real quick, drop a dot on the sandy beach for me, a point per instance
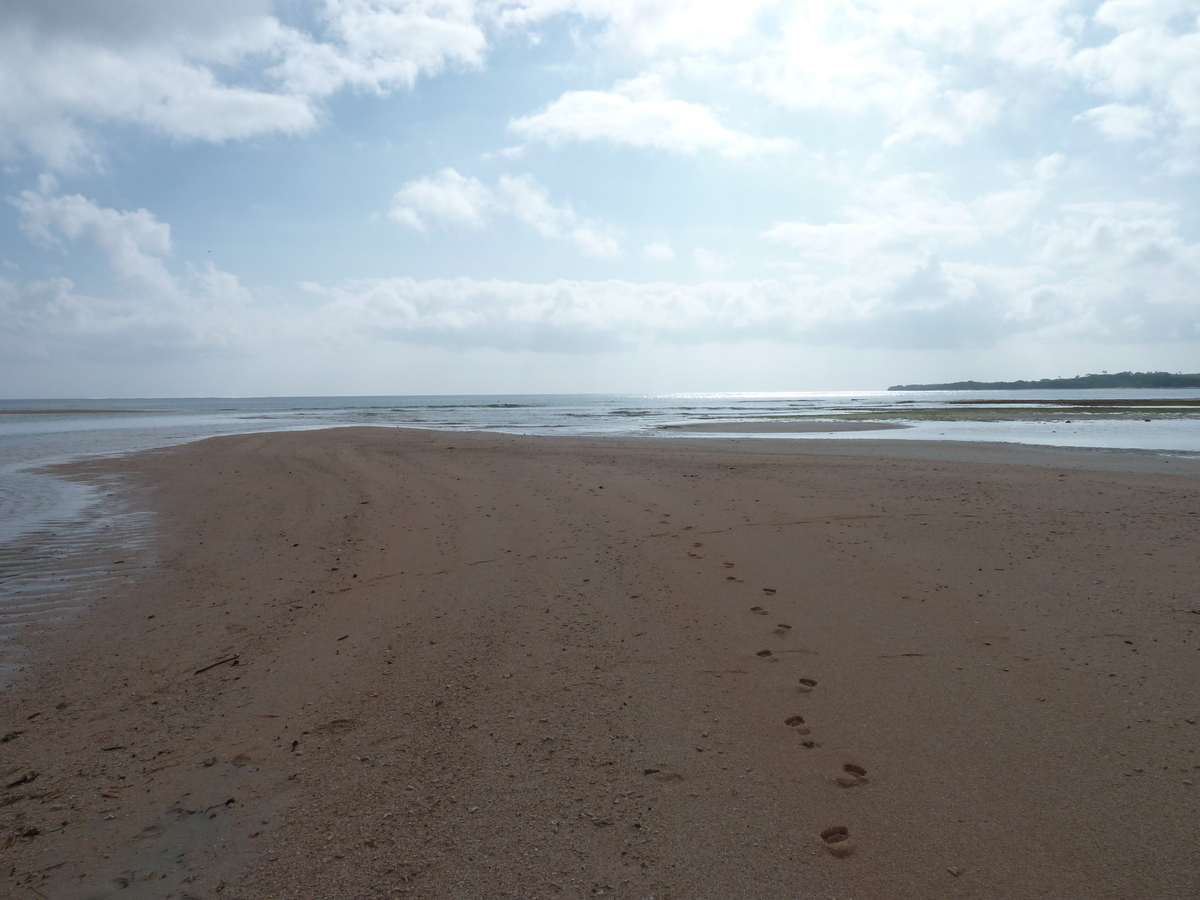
(369, 663)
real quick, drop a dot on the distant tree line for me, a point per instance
(1079, 382)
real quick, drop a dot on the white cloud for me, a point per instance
(447, 199)
(638, 113)
(1150, 70)
(1003, 211)
(381, 45)
(206, 315)
(1116, 237)
(912, 63)
(57, 85)
(233, 69)
(941, 72)
(525, 199)
(711, 263)
(134, 242)
(932, 304)
(892, 88)
(896, 224)
(1147, 58)
(648, 28)
(897, 220)
(217, 71)
(905, 257)
(1120, 122)
(155, 311)
(1102, 271)
(925, 69)
(582, 314)
(450, 199)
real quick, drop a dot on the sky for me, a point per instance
(347, 197)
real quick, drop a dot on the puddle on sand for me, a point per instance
(89, 549)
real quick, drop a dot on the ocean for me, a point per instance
(64, 543)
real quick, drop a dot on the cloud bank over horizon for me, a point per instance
(398, 196)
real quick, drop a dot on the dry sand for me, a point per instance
(478, 666)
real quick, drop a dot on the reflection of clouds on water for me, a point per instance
(1176, 436)
(64, 545)
(28, 499)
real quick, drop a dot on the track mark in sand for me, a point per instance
(663, 772)
(852, 776)
(758, 610)
(837, 841)
(768, 590)
(336, 726)
(727, 565)
(697, 544)
(796, 723)
(782, 629)
(536, 555)
(806, 685)
(764, 653)
(899, 655)
(720, 672)
(382, 577)
(817, 521)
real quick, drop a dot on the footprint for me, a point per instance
(768, 590)
(148, 833)
(759, 610)
(782, 629)
(697, 543)
(852, 776)
(837, 841)
(806, 685)
(763, 653)
(337, 726)
(727, 565)
(663, 772)
(796, 723)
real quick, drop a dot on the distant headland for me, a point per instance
(1079, 382)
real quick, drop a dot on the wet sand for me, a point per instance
(377, 663)
(791, 426)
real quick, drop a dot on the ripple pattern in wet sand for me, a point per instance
(47, 575)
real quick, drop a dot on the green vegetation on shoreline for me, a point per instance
(1079, 382)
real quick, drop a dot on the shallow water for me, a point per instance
(87, 545)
